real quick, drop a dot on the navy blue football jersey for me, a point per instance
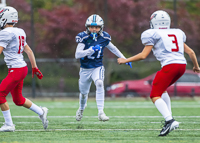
(95, 60)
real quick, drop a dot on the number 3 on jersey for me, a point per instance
(21, 43)
(175, 42)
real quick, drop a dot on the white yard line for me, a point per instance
(110, 123)
(126, 107)
(109, 116)
(102, 130)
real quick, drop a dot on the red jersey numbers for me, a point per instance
(21, 43)
(175, 42)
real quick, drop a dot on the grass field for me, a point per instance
(130, 121)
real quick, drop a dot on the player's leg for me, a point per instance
(84, 88)
(6, 86)
(98, 78)
(164, 79)
(166, 98)
(19, 100)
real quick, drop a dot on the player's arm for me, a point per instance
(116, 51)
(1, 49)
(141, 56)
(31, 57)
(193, 57)
(80, 52)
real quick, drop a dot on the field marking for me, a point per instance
(101, 130)
(126, 107)
(109, 116)
(110, 123)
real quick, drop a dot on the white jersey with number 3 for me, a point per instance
(13, 40)
(168, 45)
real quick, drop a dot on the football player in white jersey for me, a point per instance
(91, 44)
(12, 44)
(168, 46)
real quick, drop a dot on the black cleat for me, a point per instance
(168, 127)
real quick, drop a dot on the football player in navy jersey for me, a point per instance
(91, 44)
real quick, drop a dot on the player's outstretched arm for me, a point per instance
(116, 51)
(193, 57)
(35, 70)
(141, 56)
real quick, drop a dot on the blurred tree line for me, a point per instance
(57, 22)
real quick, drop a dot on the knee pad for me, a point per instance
(99, 84)
(83, 96)
(155, 95)
(2, 99)
(19, 102)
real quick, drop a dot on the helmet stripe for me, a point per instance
(94, 18)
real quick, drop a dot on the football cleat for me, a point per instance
(43, 117)
(79, 115)
(168, 127)
(102, 117)
(7, 128)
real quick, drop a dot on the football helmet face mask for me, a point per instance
(8, 15)
(94, 20)
(160, 20)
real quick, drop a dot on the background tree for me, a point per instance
(58, 22)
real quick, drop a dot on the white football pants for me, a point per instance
(86, 78)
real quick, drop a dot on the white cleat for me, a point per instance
(43, 117)
(7, 128)
(102, 117)
(79, 115)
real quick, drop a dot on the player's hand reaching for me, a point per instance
(129, 64)
(197, 70)
(121, 61)
(37, 72)
(96, 48)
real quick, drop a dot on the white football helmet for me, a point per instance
(94, 20)
(160, 20)
(8, 15)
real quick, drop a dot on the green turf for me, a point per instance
(130, 121)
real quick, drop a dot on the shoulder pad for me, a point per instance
(81, 36)
(106, 35)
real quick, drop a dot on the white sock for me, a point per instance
(7, 117)
(83, 101)
(100, 99)
(163, 109)
(166, 98)
(36, 109)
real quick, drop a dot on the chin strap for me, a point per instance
(94, 35)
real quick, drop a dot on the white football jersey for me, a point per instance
(13, 40)
(168, 45)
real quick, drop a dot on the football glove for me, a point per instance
(37, 72)
(96, 48)
(129, 64)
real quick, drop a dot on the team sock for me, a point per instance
(166, 98)
(36, 109)
(163, 109)
(7, 117)
(83, 101)
(100, 99)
